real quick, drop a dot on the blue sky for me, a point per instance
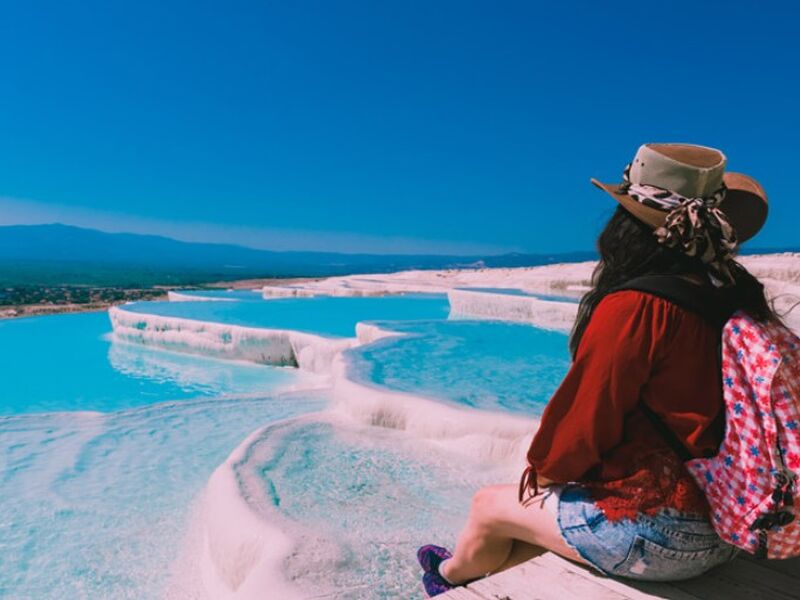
(413, 126)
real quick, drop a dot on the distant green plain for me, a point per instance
(72, 273)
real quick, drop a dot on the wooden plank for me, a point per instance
(634, 590)
(462, 593)
(745, 580)
(551, 577)
(790, 566)
(534, 581)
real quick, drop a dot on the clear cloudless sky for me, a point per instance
(397, 126)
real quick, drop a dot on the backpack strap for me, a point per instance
(666, 433)
(702, 300)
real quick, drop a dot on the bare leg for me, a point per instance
(520, 552)
(496, 520)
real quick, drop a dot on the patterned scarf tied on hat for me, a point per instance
(695, 226)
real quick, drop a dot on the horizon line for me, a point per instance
(476, 255)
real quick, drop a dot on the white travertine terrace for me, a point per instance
(554, 279)
(780, 274)
(244, 539)
(237, 550)
(173, 296)
(277, 347)
(480, 435)
(546, 314)
(241, 547)
(277, 291)
(366, 333)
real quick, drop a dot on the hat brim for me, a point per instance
(745, 205)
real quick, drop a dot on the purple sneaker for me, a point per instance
(434, 584)
(430, 556)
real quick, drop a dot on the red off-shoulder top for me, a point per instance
(637, 348)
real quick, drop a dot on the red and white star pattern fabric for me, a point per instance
(761, 384)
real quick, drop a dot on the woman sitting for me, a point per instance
(604, 487)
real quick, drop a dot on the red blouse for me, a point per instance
(637, 348)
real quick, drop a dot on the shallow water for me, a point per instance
(359, 501)
(94, 493)
(483, 364)
(96, 506)
(324, 315)
(68, 363)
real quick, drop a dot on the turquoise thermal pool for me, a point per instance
(482, 364)
(109, 447)
(97, 505)
(358, 501)
(105, 447)
(68, 363)
(324, 315)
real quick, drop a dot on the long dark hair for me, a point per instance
(628, 249)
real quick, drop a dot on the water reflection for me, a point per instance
(194, 374)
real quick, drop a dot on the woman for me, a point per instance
(604, 486)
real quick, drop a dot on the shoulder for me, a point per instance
(639, 316)
(636, 314)
(625, 328)
(627, 302)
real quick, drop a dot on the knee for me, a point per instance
(484, 502)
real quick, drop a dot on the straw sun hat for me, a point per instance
(662, 177)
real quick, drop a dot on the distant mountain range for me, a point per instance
(62, 254)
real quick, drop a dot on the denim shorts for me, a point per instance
(667, 546)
